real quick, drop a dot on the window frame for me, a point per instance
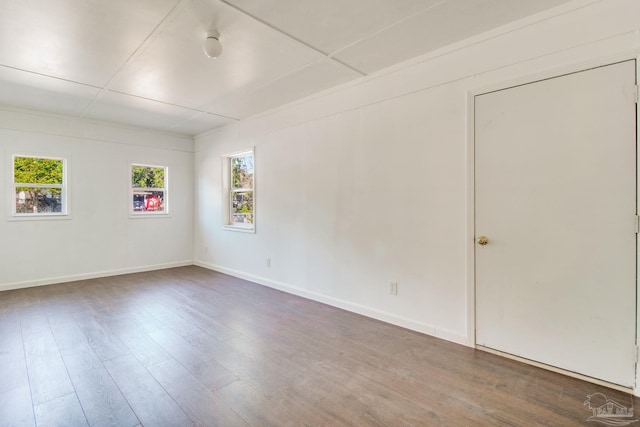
(148, 214)
(64, 190)
(228, 191)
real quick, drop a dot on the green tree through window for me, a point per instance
(148, 189)
(147, 177)
(38, 185)
(242, 194)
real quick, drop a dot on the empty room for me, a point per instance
(319, 213)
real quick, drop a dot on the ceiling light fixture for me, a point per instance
(212, 47)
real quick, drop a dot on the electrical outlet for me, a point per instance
(393, 288)
(206, 250)
(268, 262)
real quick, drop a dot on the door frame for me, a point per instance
(471, 232)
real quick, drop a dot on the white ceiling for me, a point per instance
(141, 62)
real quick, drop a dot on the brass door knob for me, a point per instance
(482, 240)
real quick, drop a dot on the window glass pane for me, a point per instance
(33, 170)
(242, 207)
(147, 177)
(38, 200)
(148, 201)
(242, 172)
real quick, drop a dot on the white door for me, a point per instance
(556, 198)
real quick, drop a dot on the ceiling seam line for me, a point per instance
(272, 81)
(291, 37)
(379, 31)
(133, 55)
(195, 110)
(153, 33)
(35, 73)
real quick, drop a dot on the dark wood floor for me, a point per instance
(188, 346)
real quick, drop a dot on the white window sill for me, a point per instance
(239, 228)
(38, 217)
(148, 215)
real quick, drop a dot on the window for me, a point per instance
(148, 189)
(39, 185)
(240, 191)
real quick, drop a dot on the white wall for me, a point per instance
(99, 238)
(373, 181)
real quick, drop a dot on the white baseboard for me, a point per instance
(345, 305)
(92, 275)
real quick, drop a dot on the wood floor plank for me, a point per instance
(16, 408)
(102, 401)
(200, 404)
(315, 376)
(165, 314)
(255, 407)
(101, 339)
(150, 402)
(13, 367)
(60, 412)
(192, 358)
(255, 368)
(212, 374)
(188, 345)
(48, 376)
(296, 383)
(311, 352)
(143, 347)
(201, 314)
